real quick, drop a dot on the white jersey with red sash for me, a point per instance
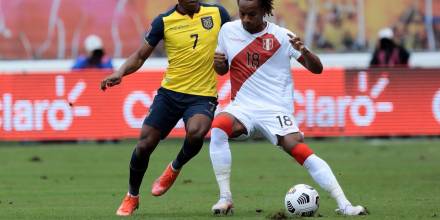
(261, 79)
(260, 68)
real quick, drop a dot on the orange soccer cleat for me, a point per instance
(128, 205)
(164, 182)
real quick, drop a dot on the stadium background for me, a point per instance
(55, 29)
(348, 100)
(43, 104)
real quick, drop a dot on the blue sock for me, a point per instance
(138, 167)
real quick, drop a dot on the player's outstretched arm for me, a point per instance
(221, 65)
(133, 63)
(309, 60)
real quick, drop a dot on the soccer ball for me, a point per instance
(301, 200)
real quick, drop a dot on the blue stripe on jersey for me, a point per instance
(156, 33)
(223, 12)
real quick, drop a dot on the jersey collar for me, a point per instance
(261, 33)
(183, 14)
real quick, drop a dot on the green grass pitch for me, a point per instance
(395, 179)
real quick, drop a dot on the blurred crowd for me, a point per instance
(348, 26)
(46, 30)
(338, 28)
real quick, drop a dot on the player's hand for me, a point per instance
(220, 59)
(109, 81)
(297, 44)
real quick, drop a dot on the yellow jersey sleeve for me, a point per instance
(190, 44)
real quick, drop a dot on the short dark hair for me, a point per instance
(267, 6)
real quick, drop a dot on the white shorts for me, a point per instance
(270, 123)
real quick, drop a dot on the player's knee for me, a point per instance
(301, 137)
(144, 148)
(194, 134)
(301, 152)
(148, 139)
(224, 123)
(147, 143)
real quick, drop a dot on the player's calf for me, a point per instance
(323, 175)
(301, 152)
(224, 123)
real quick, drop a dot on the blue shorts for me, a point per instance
(169, 107)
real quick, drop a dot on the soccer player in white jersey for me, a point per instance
(257, 53)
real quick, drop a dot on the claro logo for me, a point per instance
(31, 115)
(330, 111)
(129, 102)
(139, 97)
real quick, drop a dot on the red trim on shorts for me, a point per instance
(300, 152)
(223, 122)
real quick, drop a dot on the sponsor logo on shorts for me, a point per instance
(212, 107)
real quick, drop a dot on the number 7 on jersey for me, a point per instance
(196, 36)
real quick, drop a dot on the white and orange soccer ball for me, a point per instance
(301, 200)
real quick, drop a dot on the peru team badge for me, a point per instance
(268, 44)
(207, 22)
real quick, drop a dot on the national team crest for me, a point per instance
(268, 43)
(207, 22)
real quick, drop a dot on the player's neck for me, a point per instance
(259, 29)
(188, 12)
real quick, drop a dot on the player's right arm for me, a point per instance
(133, 63)
(137, 59)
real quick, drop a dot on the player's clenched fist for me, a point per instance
(297, 44)
(221, 65)
(220, 59)
(112, 80)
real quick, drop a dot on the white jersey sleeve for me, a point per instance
(221, 42)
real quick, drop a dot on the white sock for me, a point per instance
(221, 161)
(128, 193)
(323, 175)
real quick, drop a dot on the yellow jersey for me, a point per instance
(190, 44)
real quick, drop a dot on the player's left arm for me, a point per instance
(308, 59)
(221, 65)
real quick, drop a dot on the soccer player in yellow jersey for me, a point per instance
(188, 90)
